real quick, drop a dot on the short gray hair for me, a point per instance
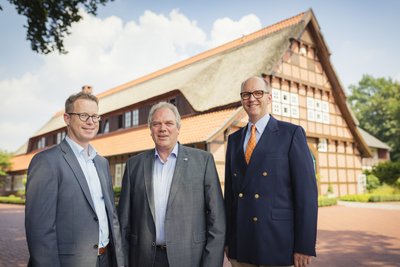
(161, 105)
(266, 83)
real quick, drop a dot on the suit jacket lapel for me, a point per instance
(242, 159)
(179, 172)
(76, 168)
(148, 180)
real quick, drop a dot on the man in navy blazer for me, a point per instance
(271, 200)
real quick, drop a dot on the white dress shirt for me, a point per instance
(85, 158)
(163, 173)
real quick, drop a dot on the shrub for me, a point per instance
(326, 201)
(12, 200)
(388, 171)
(384, 198)
(372, 182)
(356, 198)
(397, 184)
(384, 190)
(371, 198)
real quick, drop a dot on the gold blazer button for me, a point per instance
(255, 219)
(240, 195)
(256, 196)
(265, 173)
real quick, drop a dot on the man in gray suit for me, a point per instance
(70, 217)
(171, 208)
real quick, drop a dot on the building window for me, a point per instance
(119, 168)
(7, 186)
(120, 121)
(285, 103)
(19, 182)
(323, 145)
(128, 119)
(60, 137)
(42, 142)
(317, 110)
(106, 127)
(135, 117)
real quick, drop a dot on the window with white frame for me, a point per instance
(60, 137)
(135, 117)
(323, 145)
(42, 142)
(285, 103)
(119, 168)
(317, 110)
(106, 128)
(128, 119)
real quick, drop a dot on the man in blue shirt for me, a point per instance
(171, 207)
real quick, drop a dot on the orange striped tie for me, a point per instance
(251, 144)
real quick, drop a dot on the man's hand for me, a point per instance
(301, 260)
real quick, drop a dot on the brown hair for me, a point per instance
(69, 103)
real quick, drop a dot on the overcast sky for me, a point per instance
(129, 39)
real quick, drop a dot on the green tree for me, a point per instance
(48, 21)
(387, 172)
(5, 162)
(376, 103)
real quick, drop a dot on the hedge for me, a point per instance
(12, 200)
(371, 198)
(326, 201)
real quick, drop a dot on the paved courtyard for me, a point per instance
(352, 235)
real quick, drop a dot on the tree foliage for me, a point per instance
(48, 21)
(376, 103)
(5, 162)
(388, 172)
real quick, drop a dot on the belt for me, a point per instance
(161, 247)
(103, 250)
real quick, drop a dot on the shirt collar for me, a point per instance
(260, 124)
(174, 152)
(79, 150)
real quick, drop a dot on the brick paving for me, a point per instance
(13, 248)
(357, 235)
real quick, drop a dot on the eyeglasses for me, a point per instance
(257, 94)
(84, 116)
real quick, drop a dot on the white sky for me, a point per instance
(129, 39)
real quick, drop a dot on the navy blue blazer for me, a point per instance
(272, 203)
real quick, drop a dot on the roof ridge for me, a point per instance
(211, 52)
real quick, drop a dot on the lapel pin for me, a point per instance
(185, 159)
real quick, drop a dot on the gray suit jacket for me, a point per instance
(195, 216)
(61, 224)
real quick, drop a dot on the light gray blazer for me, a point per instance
(195, 216)
(61, 224)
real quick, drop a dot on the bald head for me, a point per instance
(264, 84)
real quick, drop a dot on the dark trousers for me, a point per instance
(161, 259)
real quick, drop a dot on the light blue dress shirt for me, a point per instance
(163, 173)
(260, 126)
(85, 159)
